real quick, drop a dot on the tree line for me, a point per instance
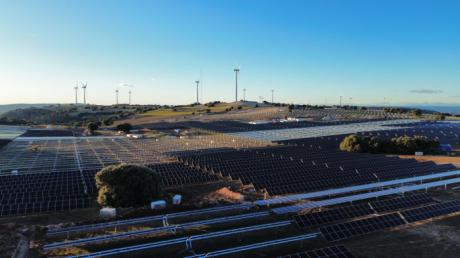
(398, 145)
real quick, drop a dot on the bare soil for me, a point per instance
(436, 159)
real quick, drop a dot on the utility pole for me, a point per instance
(197, 86)
(236, 70)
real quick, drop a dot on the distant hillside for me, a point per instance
(6, 108)
(66, 114)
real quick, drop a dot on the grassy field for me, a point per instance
(189, 110)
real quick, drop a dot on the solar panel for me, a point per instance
(355, 228)
(333, 215)
(431, 211)
(357, 197)
(401, 202)
(337, 251)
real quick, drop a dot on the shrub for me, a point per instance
(351, 143)
(416, 112)
(92, 126)
(108, 121)
(127, 186)
(440, 117)
(125, 127)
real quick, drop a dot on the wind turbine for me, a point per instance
(116, 92)
(272, 94)
(83, 86)
(76, 93)
(197, 85)
(236, 70)
(244, 94)
(129, 97)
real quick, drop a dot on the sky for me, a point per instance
(308, 51)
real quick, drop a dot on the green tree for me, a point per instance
(108, 121)
(127, 186)
(440, 117)
(398, 145)
(125, 127)
(416, 112)
(92, 126)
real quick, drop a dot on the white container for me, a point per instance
(158, 205)
(177, 199)
(419, 153)
(108, 212)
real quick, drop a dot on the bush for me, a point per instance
(127, 186)
(416, 112)
(108, 121)
(92, 126)
(125, 127)
(440, 117)
(399, 145)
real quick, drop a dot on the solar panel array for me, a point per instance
(349, 212)
(431, 211)
(364, 226)
(333, 215)
(320, 131)
(337, 251)
(401, 202)
(48, 175)
(294, 169)
(33, 193)
(355, 228)
(237, 126)
(444, 132)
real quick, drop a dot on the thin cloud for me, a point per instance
(126, 85)
(426, 91)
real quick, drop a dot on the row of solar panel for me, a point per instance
(317, 218)
(338, 251)
(46, 206)
(280, 170)
(355, 228)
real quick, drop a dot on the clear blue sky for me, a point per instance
(308, 51)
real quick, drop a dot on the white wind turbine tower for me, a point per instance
(116, 93)
(244, 94)
(83, 86)
(129, 92)
(236, 70)
(76, 93)
(197, 86)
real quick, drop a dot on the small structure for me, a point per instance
(158, 205)
(177, 199)
(135, 136)
(108, 212)
(419, 153)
